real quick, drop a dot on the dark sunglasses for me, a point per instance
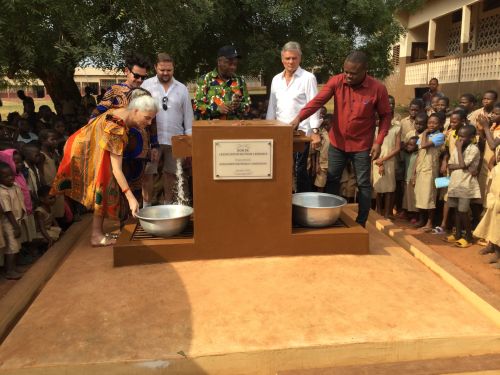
(138, 76)
(164, 102)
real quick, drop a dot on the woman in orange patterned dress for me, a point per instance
(91, 169)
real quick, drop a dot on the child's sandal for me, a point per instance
(450, 239)
(463, 243)
(438, 230)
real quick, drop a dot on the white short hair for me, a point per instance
(142, 100)
(292, 46)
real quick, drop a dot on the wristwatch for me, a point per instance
(315, 130)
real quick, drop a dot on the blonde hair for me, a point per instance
(142, 100)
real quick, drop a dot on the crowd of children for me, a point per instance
(445, 161)
(31, 219)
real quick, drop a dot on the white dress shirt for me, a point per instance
(179, 112)
(286, 101)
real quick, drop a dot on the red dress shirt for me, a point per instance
(353, 121)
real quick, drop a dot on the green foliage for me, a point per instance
(47, 38)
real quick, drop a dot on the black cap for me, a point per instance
(229, 52)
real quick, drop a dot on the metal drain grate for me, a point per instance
(140, 234)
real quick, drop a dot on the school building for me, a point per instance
(456, 41)
(89, 76)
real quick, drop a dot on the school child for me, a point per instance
(48, 141)
(348, 184)
(463, 186)
(384, 168)
(468, 103)
(426, 171)
(321, 154)
(488, 227)
(14, 159)
(409, 156)
(408, 123)
(12, 202)
(434, 104)
(442, 106)
(488, 101)
(32, 157)
(491, 130)
(25, 133)
(458, 119)
(46, 225)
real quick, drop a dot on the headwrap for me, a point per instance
(7, 156)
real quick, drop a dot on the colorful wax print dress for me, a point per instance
(85, 173)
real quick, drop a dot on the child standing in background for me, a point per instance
(48, 140)
(12, 202)
(409, 156)
(426, 171)
(458, 120)
(384, 168)
(463, 186)
(32, 157)
(47, 227)
(408, 123)
(443, 105)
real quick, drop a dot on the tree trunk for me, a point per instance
(63, 91)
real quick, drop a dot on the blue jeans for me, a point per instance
(301, 175)
(361, 161)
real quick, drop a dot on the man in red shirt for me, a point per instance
(358, 99)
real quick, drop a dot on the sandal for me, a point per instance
(105, 241)
(438, 230)
(463, 243)
(482, 242)
(450, 239)
(112, 235)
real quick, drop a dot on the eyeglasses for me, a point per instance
(164, 102)
(138, 76)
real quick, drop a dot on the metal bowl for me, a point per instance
(316, 209)
(165, 220)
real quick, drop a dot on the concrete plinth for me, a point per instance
(243, 316)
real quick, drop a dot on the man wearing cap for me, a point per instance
(221, 94)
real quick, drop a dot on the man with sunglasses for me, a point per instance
(174, 118)
(139, 140)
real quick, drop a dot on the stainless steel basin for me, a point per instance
(316, 209)
(165, 220)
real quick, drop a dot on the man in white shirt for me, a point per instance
(291, 90)
(174, 118)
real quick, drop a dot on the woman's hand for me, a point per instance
(132, 203)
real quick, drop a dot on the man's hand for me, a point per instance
(235, 103)
(375, 151)
(224, 109)
(295, 123)
(315, 140)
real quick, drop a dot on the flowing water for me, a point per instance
(180, 194)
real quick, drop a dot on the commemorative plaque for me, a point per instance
(243, 159)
